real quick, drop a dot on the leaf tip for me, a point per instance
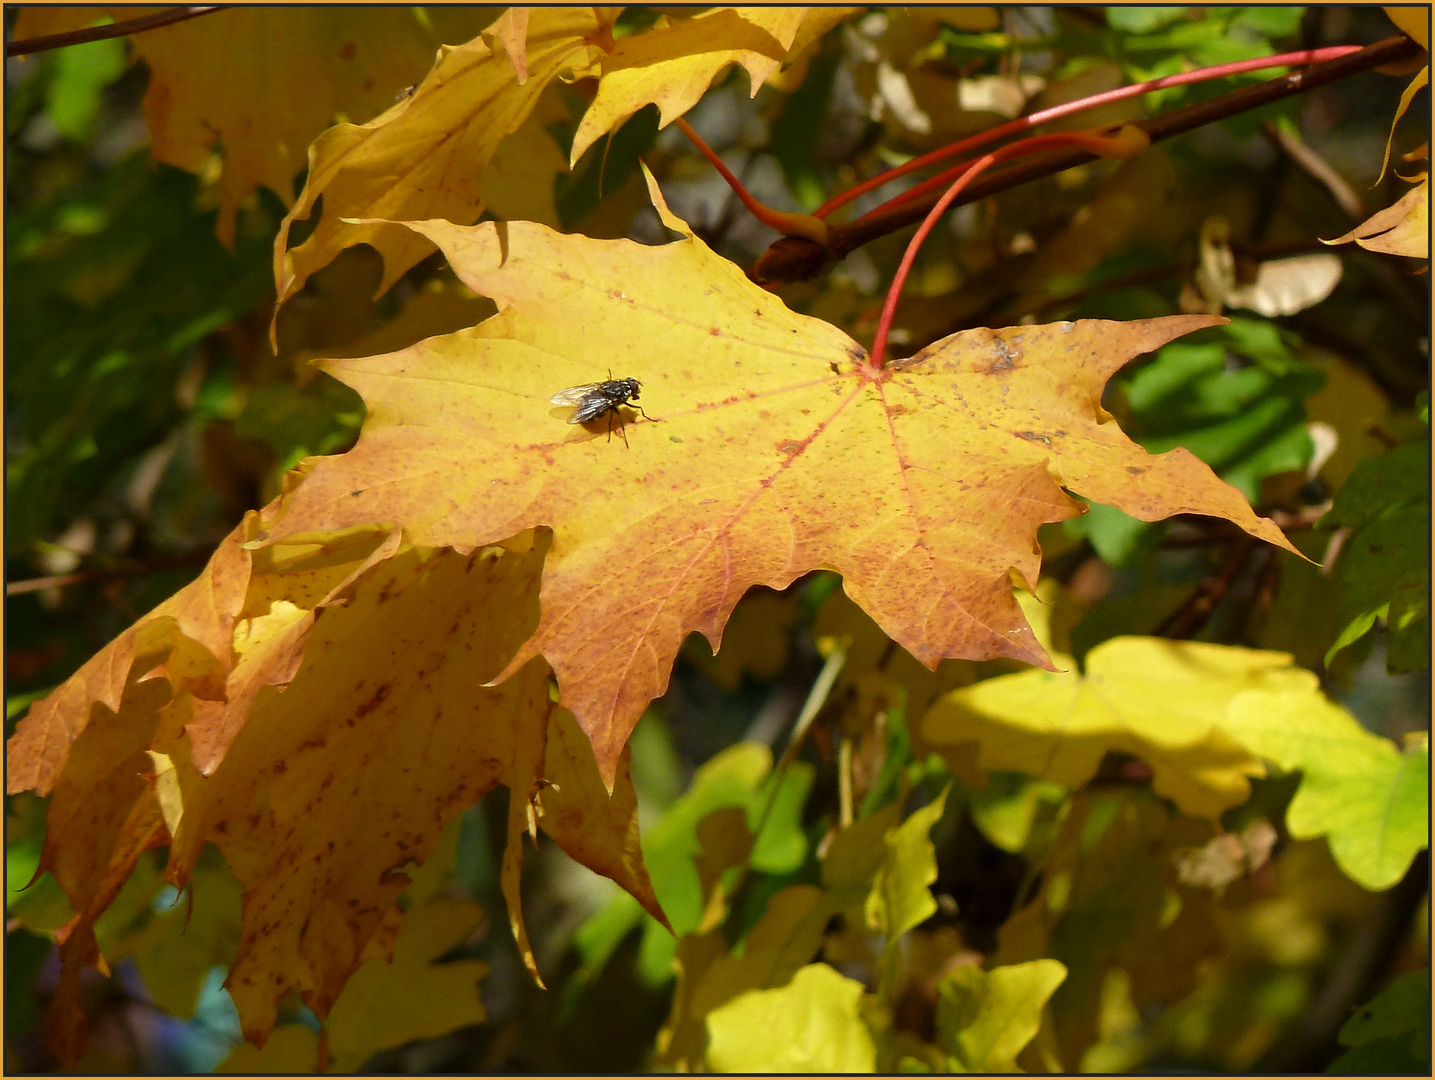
(660, 204)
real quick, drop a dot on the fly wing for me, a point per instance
(591, 408)
(574, 395)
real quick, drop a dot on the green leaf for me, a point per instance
(176, 948)
(109, 283)
(1402, 475)
(388, 1004)
(1006, 809)
(82, 72)
(733, 778)
(813, 1024)
(1116, 536)
(25, 957)
(1142, 20)
(1370, 800)
(856, 855)
(986, 1018)
(1272, 22)
(798, 126)
(1403, 1006)
(1385, 572)
(1384, 568)
(737, 777)
(291, 1048)
(1393, 1054)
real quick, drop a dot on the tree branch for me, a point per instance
(129, 570)
(797, 259)
(114, 30)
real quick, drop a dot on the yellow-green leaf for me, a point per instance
(388, 1004)
(1163, 701)
(986, 1018)
(1371, 801)
(900, 898)
(813, 1024)
(292, 1048)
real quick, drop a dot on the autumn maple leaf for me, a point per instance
(433, 153)
(318, 797)
(776, 448)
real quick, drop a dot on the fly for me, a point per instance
(594, 400)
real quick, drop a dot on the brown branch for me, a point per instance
(797, 259)
(58, 581)
(1193, 614)
(114, 30)
(1318, 169)
(1366, 961)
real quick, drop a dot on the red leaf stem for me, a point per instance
(805, 225)
(884, 324)
(1128, 142)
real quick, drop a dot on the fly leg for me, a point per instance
(612, 413)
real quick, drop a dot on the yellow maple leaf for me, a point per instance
(1414, 22)
(777, 449)
(673, 64)
(256, 84)
(463, 140)
(426, 155)
(388, 1002)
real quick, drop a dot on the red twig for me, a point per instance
(805, 225)
(1033, 145)
(1022, 123)
(1127, 143)
(795, 259)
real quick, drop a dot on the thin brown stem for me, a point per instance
(84, 577)
(1318, 169)
(114, 30)
(1187, 620)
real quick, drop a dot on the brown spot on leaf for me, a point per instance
(374, 702)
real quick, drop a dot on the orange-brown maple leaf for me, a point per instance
(776, 449)
(319, 796)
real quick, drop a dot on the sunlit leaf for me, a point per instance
(986, 1018)
(814, 1024)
